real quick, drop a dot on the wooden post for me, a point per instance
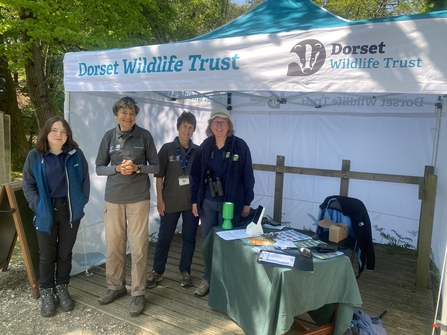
(279, 187)
(428, 197)
(344, 181)
(5, 148)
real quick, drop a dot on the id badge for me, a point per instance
(183, 180)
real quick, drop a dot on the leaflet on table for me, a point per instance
(327, 255)
(258, 240)
(236, 234)
(264, 240)
(276, 258)
(291, 235)
(308, 243)
(260, 248)
(269, 226)
(285, 244)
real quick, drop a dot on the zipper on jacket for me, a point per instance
(68, 191)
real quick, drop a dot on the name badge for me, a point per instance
(183, 180)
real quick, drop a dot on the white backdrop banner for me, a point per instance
(400, 143)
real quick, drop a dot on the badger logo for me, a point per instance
(311, 55)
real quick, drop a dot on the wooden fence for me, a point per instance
(427, 194)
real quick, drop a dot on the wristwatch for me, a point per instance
(138, 169)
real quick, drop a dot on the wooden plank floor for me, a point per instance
(172, 309)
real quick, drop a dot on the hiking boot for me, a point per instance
(66, 303)
(186, 279)
(137, 305)
(154, 278)
(202, 289)
(111, 296)
(48, 307)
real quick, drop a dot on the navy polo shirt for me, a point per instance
(55, 168)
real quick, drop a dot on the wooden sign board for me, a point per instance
(8, 233)
(16, 220)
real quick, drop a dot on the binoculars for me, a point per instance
(215, 187)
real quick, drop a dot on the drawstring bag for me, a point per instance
(364, 324)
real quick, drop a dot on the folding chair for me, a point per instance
(350, 211)
(334, 213)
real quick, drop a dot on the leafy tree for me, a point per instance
(9, 105)
(254, 3)
(432, 5)
(371, 9)
(37, 34)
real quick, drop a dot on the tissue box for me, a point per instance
(337, 231)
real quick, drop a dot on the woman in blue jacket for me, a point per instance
(56, 185)
(222, 172)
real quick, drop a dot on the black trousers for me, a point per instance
(56, 248)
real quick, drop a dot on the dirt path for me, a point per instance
(20, 312)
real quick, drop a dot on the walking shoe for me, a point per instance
(186, 279)
(154, 278)
(48, 307)
(137, 305)
(66, 303)
(111, 296)
(202, 289)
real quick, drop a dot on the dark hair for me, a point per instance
(42, 138)
(187, 117)
(126, 102)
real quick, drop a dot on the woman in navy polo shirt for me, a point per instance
(56, 185)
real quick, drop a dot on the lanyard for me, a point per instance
(184, 165)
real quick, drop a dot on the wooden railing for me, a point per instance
(427, 195)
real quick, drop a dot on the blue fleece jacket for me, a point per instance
(35, 187)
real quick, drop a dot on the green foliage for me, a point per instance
(433, 5)
(51, 28)
(398, 241)
(370, 9)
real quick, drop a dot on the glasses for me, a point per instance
(220, 123)
(131, 114)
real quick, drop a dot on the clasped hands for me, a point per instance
(126, 167)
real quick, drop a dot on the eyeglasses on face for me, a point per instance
(131, 114)
(220, 123)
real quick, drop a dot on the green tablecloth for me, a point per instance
(263, 299)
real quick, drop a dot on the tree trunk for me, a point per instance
(10, 106)
(37, 86)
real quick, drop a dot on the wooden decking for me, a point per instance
(172, 309)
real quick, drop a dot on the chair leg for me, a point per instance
(353, 252)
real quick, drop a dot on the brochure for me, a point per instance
(276, 258)
(307, 243)
(260, 248)
(327, 255)
(258, 240)
(291, 235)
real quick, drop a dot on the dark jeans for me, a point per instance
(168, 223)
(56, 248)
(212, 217)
